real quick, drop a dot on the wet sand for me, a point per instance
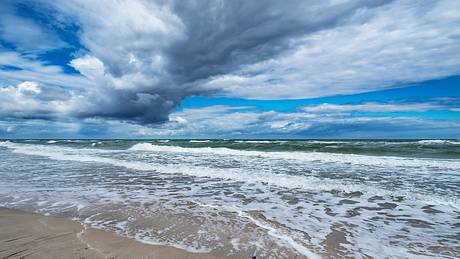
(30, 235)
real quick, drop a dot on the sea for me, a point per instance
(244, 198)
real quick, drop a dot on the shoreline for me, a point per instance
(27, 234)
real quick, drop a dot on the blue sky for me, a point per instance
(229, 69)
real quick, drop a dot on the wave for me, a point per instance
(199, 141)
(259, 141)
(390, 161)
(438, 141)
(236, 174)
(96, 143)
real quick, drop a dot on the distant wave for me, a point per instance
(439, 141)
(391, 161)
(257, 141)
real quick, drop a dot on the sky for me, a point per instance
(230, 69)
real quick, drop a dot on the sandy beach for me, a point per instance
(30, 235)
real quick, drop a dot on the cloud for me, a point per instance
(242, 122)
(245, 122)
(24, 33)
(314, 121)
(37, 128)
(31, 87)
(375, 48)
(145, 57)
(6, 129)
(37, 90)
(378, 107)
(139, 59)
(27, 69)
(27, 101)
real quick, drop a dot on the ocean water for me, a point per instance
(272, 198)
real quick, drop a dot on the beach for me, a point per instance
(30, 235)
(235, 198)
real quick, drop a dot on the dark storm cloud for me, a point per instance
(224, 35)
(152, 55)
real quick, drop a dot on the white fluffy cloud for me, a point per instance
(246, 122)
(27, 100)
(126, 38)
(378, 107)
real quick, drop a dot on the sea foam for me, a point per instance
(310, 156)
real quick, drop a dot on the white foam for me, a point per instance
(328, 142)
(147, 239)
(256, 141)
(438, 141)
(199, 141)
(387, 161)
(235, 242)
(284, 238)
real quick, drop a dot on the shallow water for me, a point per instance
(278, 198)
